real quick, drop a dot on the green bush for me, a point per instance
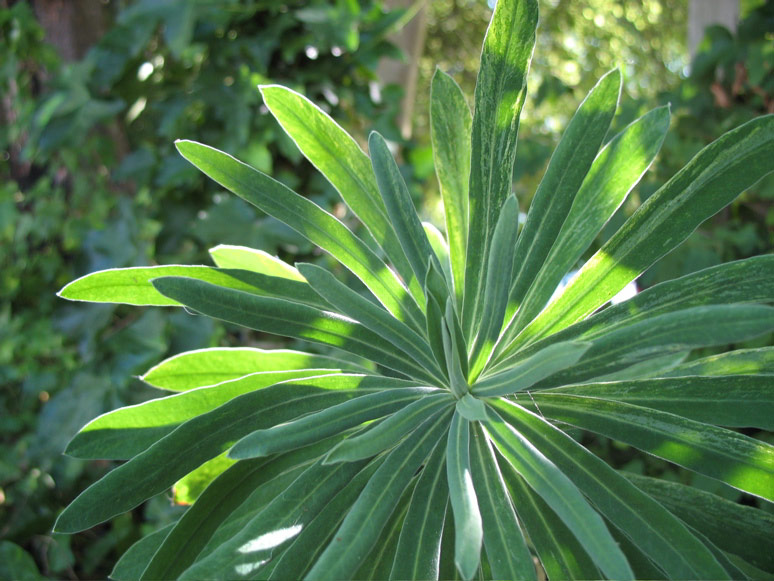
(445, 413)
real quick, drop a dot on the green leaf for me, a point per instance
(500, 91)
(202, 438)
(309, 220)
(742, 281)
(566, 171)
(454, 359)
(132, 286)
(733, 401)
(733, 458)
(419, 546)
(400, 208)
(531, 370)
(339, 158)
(506, 547)
(17, 564)
(281, 317)
(218, 364)
(390, 431)
(653, 529)
(669, 333)
(125, 432)
(562, 496)
(327, 422)
(229, 256)
(471, 408)
(133, 562)
(440, 249)
(615, 171)
(709, 182)
(373, 316)
(560, 553)
(467, 518)
(742, 530)
(498, 280)
(367, 517)
(450, 125)
(740, 362)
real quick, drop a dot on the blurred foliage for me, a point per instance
(90, 179)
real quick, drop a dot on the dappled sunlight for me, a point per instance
(270, 540)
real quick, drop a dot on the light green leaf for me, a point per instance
(500, 91)
(566, 171)
(471, 408)
(553, 485)
(373, 316)
(653, 529)
(733, 401)
(615, 171)
(419, 546)
(740, 362)
(229, 256)
(730, 457)
(389, 432)
(309, 220)
(400, 207)
(742, 530)
(709, 182)
(202, 438)
(281, 317)
(506, 547)
(327, 422)
(498, 281)
(527, 373)
(450, 125)
(467, 518)
(365, 520)
(440, 248)
(669, 333)
(203, 367)
(125, 432)
(655, 367)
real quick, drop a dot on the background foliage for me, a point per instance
(89, 179)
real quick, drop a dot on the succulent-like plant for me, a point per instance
(444, 441)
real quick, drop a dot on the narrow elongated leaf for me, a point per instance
(467, 517)
(365, 520)
(391, 431)
(653, 529)
(440, 248)
(282, 317)
(400, 208)
(132, 286)
(742, 530)
(372, 316)
(730, 457)
(564, 175)
(471, 408)
(615, 171)
(310, 543)
(272, 528)
(454, 360)
(450, 124)
(741, 362)
(241, 257)
(419, 546)
(506, 548)
(218, 364)
(742, 281)
(132, 563)
(200, 439)
(330, 421)
(709, 182)
(498, 281)
(309, 220)
(560, 553)
(734, 401)
(500, 91)
(561, 495)
(527, 373)
(339, 158)
(434, 327)
(125, 432)
(655, 367)
(668, 333)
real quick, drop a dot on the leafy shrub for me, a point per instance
(447, 419)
